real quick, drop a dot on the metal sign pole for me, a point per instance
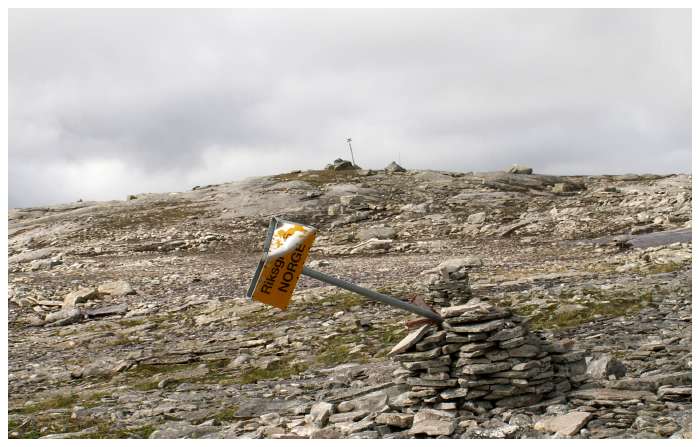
(371, 294)
(349, 140)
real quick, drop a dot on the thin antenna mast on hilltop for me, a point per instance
(349, 140)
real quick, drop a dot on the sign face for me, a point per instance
(285, 251)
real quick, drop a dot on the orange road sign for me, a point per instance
(285, 251)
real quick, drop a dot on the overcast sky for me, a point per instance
(105, 103)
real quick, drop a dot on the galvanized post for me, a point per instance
(349, 140)
(371, 294)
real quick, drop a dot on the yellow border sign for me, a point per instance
(286, 248)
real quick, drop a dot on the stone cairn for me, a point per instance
(480, 358)
(448, 283)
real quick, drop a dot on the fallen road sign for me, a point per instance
(286, 248)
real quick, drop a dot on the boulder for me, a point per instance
(606, 366)
(400, 420)
(433, 423)
(320, 412)
(350, 416)
(32, 255)
(476, 218)
(505, 431)
(352, 200)
(566, 425)
(258, 406)
(63, 317)
(119, 287)
(44, 264)
(372, 245)
(412, 208)
(375, 401)
(79, 296)
(562, 188)
(325, 433)
(376, 233)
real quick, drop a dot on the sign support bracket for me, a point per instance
(371, 294)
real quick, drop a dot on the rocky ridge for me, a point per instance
(127, 318)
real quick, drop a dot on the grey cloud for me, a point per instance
(158, 99)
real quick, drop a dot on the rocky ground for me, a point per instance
(128, 318)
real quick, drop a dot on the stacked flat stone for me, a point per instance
(482, 357)
(448, 283)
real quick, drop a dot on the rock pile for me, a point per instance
(341, 165)
(448, 283)
(480, 358)
(394, 167)
(520, 169)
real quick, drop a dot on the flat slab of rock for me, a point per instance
(611, 394)
(350, 416)
(116, 309)
(432, 423)
(374, 401)
(488, 326)
(419, 356)
(348, 428)
(566, 424)
(355, 392)
(410, 340)
(523, 400)
(258, 407)
(63, 317)
(652, 383)
(466, 310)
(486, 368)
(671, 393)
(400, 420)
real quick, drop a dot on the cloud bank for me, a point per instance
(105, 103)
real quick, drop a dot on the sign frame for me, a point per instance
(275, 223)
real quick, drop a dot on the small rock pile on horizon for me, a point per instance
(448, 283)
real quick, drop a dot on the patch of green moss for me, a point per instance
(50, 403)
(94, 399)
(146, 371)
(131, 322)
(147, 377)
(217, 364)
(343, 300)
(663, 268)
(148, 385)
(319, 177)
(226, 415)
(334, 354)
(323, 307)
(106, 430)
(598, 307)
(281, 371)
(119, 340)
(43, 424)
